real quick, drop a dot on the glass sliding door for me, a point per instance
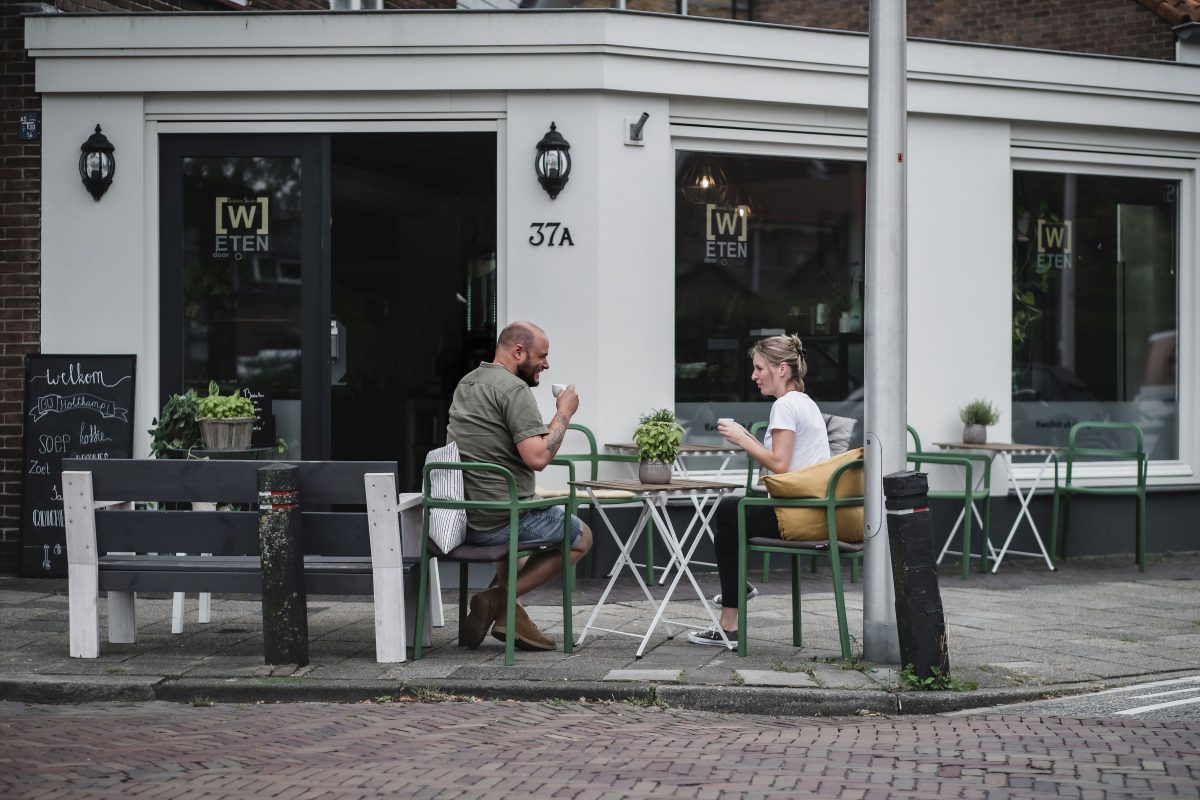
(243, 266)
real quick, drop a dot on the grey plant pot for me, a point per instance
(658, 472)
(975, 434)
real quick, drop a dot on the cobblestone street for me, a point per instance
(571, 750)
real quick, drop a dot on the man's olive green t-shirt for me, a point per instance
(492, 410)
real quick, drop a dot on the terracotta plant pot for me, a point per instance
(232, 433)
(975, 434)
(657, 472)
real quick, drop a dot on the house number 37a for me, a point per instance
(551, 234)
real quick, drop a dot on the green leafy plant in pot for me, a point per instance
(976, 416)
(658, 438)
(175, 427)
(226, 420)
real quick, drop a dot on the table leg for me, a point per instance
(1025, 499)
(703, 528)
(659, 510)
(623, 559)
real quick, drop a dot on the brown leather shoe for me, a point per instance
(528, 636)
(485, 606)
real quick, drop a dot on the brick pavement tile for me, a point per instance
(432, 750)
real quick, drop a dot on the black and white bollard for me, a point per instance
(284, 602)
(919, 619)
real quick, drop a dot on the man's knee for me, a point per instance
(584, 543)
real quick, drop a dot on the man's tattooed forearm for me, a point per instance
(558, 429)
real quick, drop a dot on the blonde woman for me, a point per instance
(795, 438)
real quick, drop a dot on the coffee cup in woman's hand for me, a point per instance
(728, 427)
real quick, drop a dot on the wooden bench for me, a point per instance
(116, 548)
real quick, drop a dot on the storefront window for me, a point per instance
(241, 280)
(1095, 292)
(764, 246)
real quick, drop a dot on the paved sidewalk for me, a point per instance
(1021, 634)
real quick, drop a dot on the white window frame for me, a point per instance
(1183, 168)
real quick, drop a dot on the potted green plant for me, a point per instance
(976, 416)
(175, 427)
(658, 438)
(226, 420)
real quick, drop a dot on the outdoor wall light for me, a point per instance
(97, 164)
(553, 162)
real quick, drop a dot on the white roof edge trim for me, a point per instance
(610, 33)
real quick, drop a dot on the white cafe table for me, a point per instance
(687, 451)
(653, 498)
(1006, 451)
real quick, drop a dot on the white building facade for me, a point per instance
(1052, 215)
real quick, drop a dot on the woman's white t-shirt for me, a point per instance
(797, 412)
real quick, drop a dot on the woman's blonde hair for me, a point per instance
(776, 350)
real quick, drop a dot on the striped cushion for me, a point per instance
(447, 526)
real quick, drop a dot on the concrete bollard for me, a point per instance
(919, 619)
(284, 602)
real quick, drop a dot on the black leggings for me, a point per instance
(760, 521)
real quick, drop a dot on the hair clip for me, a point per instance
(800, 351)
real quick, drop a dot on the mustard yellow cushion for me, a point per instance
(809, 524)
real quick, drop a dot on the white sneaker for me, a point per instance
(751, 592)
(712, 636)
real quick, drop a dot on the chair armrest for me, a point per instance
(513, 500)
(965, 460)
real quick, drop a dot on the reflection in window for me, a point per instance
(763, 246)
(1094, 306)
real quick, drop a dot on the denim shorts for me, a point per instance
(539, 525)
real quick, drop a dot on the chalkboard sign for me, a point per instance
(264, 420)
(75, 407)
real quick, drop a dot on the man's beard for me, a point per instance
(527, 371)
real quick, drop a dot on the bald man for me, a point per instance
(495, 419)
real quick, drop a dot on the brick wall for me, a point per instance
(20, 245)
(1107, 27)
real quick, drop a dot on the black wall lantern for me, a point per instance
(97, 164)
(553, 162)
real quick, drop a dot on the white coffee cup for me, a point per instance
(730, 420)
(557, 388)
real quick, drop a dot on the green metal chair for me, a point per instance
(467, 554)
(833, 549)
(968, 496)
(1067, 487)
(586, 465)
(754, 488)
